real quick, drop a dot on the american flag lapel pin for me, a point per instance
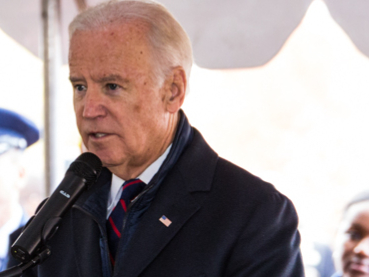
(165, 220)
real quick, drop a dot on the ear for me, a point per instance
(176, 89)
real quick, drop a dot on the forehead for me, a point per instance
(114, 45)
(358, 214)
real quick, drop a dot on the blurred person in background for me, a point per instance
(352, 243)
(32, 193)
(16, 134)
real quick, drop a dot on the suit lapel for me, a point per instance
(193, 172)
(151, 235)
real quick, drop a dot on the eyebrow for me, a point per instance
(104, 79)
(356, 226)
(111, 78)
(76, 79)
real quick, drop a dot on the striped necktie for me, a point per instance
(114, 224)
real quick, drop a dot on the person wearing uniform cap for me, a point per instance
(16, 134)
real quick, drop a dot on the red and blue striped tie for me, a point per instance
(114, 224)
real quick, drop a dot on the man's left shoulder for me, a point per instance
(239, 178)
(244, 185)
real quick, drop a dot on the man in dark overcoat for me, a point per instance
(195, 213)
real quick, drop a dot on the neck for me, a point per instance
(132, 169)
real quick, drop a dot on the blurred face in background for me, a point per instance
(11, 181)
(352, 245)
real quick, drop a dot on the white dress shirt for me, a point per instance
(146, 176)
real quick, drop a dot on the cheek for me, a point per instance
(77, 106)
(138, 107)
(8, 181)
(347, 249)
(78, 113)
(78, 123)
(341, 252)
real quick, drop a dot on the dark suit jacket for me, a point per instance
(225, 222)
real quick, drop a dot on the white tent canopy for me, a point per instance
(225, 34)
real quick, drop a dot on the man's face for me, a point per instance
(120, 110)
(353, 241)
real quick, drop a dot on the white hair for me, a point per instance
(171, 47)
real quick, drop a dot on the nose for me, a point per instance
(362, 247)
(93, 105)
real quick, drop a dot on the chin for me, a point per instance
(103, 156)
(108, 159)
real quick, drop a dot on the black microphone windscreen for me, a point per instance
(87, 166)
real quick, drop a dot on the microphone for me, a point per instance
(81, 174)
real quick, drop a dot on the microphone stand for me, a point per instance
(17, 270)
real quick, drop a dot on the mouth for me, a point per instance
(98, 135)
(359, 266)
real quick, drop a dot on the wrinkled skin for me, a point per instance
(123, 114)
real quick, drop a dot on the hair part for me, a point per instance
(171, 46)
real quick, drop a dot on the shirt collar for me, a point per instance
(146, 176)
(149, 172)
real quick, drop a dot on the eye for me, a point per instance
(79, 88)
(354, 235)
(112, 86)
